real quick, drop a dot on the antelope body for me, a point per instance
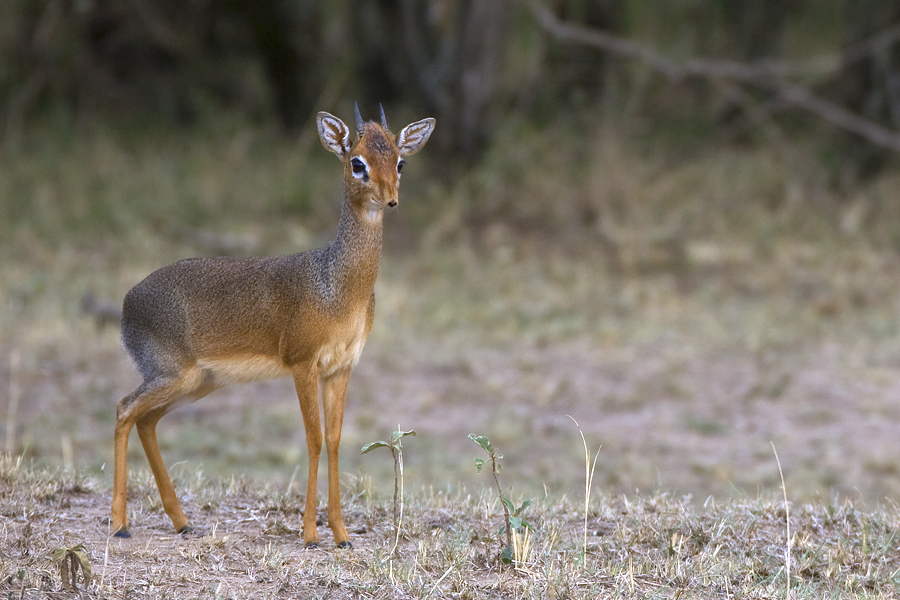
(200, 324)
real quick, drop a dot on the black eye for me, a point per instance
(400, 165)
(357, 166)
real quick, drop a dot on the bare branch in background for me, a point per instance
(764, 74)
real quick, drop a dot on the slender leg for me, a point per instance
(146, 427)
(120, 477)
(144, 407)
(333, 394)
(306, 381)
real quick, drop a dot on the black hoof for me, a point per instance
(122, 533)
(312, 545)
(191, 531)
(346, 545)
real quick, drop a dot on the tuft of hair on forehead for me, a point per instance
(377, 139)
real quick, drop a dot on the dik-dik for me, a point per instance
(200, 324)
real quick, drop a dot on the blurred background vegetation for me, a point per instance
(493, 72)
(688, 205)
(473, 64)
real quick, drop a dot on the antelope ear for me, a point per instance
(411, 139)
(333, 134)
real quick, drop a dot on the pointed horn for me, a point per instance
(383, 118)
(359, 120)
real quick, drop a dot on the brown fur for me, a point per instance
(200, 324)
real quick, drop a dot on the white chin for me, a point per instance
(374, 211)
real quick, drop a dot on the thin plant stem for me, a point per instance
(787, 527)
(588, 480)
(509, 541)
(12, 408)
(398, 481)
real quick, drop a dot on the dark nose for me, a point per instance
(392, 203)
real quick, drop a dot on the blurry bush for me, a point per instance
(467, 62)
(166, 58)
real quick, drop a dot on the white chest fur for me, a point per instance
(342, 351)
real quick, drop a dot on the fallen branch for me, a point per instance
(765, 74)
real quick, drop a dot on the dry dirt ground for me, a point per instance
(685, 380)
(651, 546)
(685, 385)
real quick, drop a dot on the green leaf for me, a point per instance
(515, 523)
(525, 505)
(400, 434)
(58, 554)
(81, 555)
(369, 447)
(479, 464)
(482, 441)
(508, 504)
(506, 555)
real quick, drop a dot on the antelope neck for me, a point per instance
(355, 253)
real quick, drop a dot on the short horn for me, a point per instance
(359, 121)
(383, 118)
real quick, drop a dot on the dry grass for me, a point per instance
(686, 315)
(651, 546)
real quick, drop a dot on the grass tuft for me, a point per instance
(655, 545)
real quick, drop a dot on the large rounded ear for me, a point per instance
(333, 134)
(414, 136)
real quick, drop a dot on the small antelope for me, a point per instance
(200, 324)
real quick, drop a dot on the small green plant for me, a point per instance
(70, 561)
(513, 519)
(395, 445)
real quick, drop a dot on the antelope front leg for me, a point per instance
(333, 394)
(306, 381)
